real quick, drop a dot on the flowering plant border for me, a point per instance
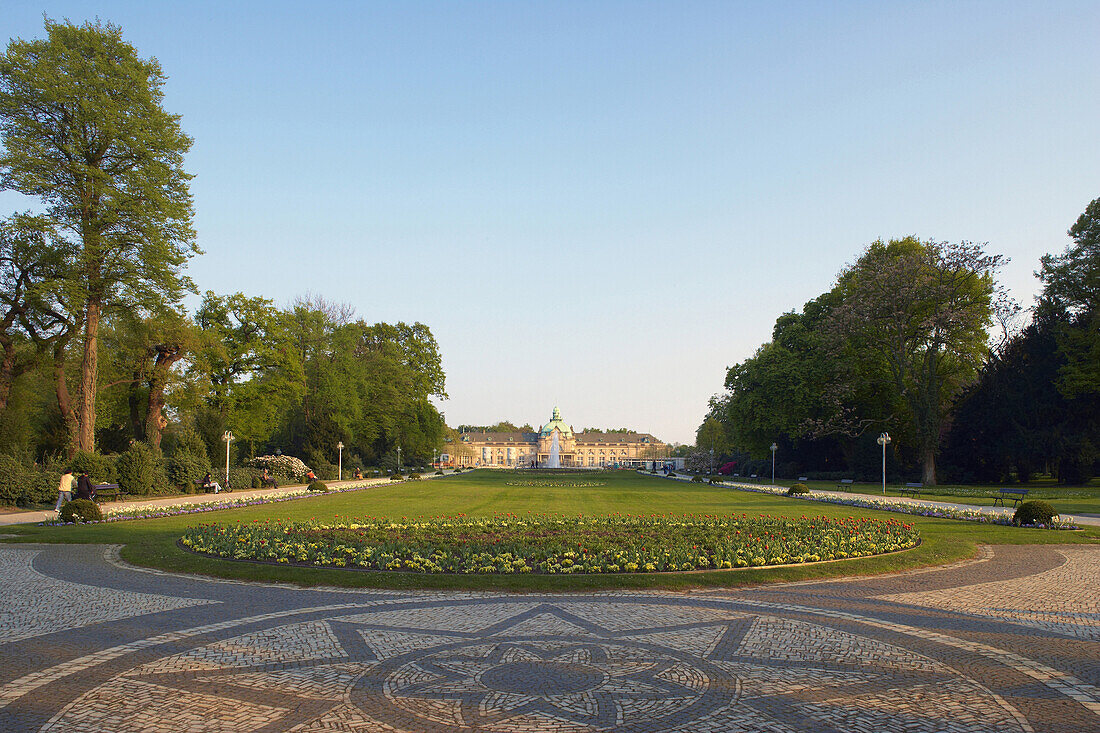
(122, 514)
(552, 544)
(898, 506)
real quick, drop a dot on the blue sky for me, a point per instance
(603, 205)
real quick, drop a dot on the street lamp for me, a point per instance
(399, 459)
(884, 440)
(340, 470)
(774, 449)
(228, 438)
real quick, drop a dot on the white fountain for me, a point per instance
(553, 461)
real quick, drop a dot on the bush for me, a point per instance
(317, 485)
(696, 479)
(80, 510)
(257, 482)
(281, 467)
(397, 477)
(439, 472)
(137, 470)
(22, 485)
(414, 476)
(1034, 512)
(243, 478)
(100, 468)
(184, 469)
(797, 489)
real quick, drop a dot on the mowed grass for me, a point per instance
(1069, 500)
(153, 542)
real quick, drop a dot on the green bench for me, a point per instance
(911, 489)
(104, 492)
(1017, 495)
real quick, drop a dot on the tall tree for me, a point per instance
(84, 131)
(1071, 293)
(922, 310)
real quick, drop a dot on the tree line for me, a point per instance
(97, 351)
(917, 339)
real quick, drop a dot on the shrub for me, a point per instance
(1034, 512)
(439, 472)
(284, 467)
(189, 441)
(696, 479)
(317, 485)
(137, 470)
(797, 489)
(672, 474)
(100, 468)
(396, 477)
(184, 469)
(22, 485)
(414, 476)
(80, 510)
(243, 478)
(257, 482)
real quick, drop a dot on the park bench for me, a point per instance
(210, 487)
(105, 491)
(845, 483)
(1017, 495)
(911, 489)
(803, 479)
(754, 478)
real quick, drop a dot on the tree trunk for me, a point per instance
(7, 372)
(89, 380)
(64, 401)
(137, 424)
(928, 466)
(154, 417)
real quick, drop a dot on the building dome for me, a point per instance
(556, 422)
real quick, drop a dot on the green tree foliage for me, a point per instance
(1036, 405)
(922, 310)
(248, 362)
(84, 131)
(890, 346)
(1071, 293)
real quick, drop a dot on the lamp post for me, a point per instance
(340, 469)
(884, 440)
(228, 438)
(774, 449)
(399, 459)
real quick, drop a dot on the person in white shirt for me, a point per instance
(64, 490)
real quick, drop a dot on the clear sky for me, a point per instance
(602, 205)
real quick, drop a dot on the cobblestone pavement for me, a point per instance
(1006, 642)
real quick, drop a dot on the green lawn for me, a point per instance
(153, 542)
(1065, 499)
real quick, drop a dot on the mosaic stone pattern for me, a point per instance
(882, 654)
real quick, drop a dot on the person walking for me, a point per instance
(84, 487)
(65, 489)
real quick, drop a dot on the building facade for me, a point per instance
(575, 450)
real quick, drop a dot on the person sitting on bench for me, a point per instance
(267, 478)
(209, 483)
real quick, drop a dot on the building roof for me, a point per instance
(510, 437)
(556, 422)
(600, 437)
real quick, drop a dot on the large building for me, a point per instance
(589, 449)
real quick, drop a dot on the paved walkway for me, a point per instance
(1009, 641)
(205, 498)
(1080, 519)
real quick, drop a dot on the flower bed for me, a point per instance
(550, 544)
(122, 513)
(557, 484)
